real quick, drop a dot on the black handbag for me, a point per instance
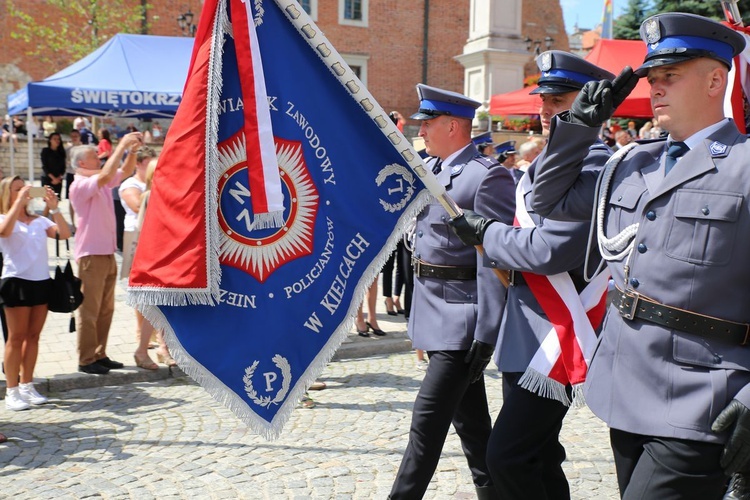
(65, 295)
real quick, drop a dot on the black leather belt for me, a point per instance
(516, 278)
(424, 270)
(633, 305)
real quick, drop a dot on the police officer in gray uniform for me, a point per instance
(457, 302)
(671, 374)
(506, 156)
(524, 453)
(483, 142)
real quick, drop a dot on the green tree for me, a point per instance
(701, 7)
(67, 30)
(627, 25)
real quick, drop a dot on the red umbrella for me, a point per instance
(612, 55)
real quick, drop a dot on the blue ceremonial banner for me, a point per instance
(254, 308)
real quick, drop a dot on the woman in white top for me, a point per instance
(131, 191)
(25, 284)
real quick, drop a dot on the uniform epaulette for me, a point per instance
(487, 161)
(599, 146)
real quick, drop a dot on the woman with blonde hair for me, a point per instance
(134, 198)
(25, 283)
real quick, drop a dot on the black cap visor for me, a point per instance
(557, 87)
(675, 56)
(428, 114)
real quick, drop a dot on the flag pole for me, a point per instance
(336, 64)
(732, 12)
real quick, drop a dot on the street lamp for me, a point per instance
(185, 21)
(538, 43)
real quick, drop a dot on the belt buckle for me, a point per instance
(629, 312)
(417, 267)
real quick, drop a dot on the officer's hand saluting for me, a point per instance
(597, 101)
(736, 456)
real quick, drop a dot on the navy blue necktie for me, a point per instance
(437, 167)
(674, 151)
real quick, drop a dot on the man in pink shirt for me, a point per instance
(96, 242)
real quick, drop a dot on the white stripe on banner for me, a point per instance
(274, 196)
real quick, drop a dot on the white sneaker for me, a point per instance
(14, 401)
(30, 394)
(422, 365)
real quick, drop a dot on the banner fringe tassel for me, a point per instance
(544, 386)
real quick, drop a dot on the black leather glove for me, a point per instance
(470, 227)
(478, 358)
(736, 456)
(597, 100)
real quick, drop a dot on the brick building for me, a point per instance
(394, 44)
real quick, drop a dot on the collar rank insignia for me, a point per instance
(718, 149)
(546, 62)
(653, 32)
(455, 170)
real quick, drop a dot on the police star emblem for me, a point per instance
(546, 62)
(718, 149)
(653, 32)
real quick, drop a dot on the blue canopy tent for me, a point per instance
(130, 75)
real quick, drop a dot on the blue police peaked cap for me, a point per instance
(563, 72)
(481, 140)
(436, 102)
(507, 147)
(676, 37)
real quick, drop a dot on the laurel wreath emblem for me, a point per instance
(286, 376)
(395, 168)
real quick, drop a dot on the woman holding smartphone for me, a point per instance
(25, 283)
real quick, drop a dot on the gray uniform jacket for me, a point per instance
(446, 315)
(690, 252)
(551, 247)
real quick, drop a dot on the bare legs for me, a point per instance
(22, 349)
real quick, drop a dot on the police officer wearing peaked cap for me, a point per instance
(524, 453)
(563, 72)
(506, 156)
(457, 301)
(671, 373)
(483, 142)
(506, 148)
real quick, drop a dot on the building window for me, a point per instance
(353, 12)
(311, 7)
(358, 64)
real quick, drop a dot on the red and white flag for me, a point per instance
(565, 353)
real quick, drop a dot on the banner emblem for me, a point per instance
(260, 252)
(269, 378)
(403, 183)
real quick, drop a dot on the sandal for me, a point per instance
(376, 331)
(389, 309)
(166, 359)
(145, 363)
(363, 333)
(306, 402)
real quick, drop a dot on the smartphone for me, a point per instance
(37, 192)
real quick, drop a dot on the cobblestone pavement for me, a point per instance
(169, 439)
